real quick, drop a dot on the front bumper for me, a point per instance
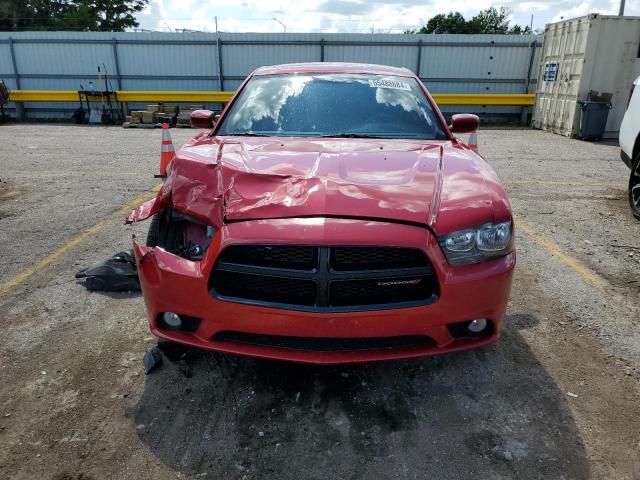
(174, 284)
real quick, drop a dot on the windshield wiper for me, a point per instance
(247, 134)
(349, 135)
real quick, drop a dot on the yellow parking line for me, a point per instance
(586, 274)
(25, 274)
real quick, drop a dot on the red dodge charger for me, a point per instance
(329, 215)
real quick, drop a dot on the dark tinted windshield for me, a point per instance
(347, 105)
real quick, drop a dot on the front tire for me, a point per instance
(634, 187)
(165, 232)
(153, 235)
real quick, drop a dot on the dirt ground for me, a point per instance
(558, 397)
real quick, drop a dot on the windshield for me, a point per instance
(332, 105)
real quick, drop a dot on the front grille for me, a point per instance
(340, 278)
(380, 290)
(266, 288)
(375, 258)
(315, 344)
(276, 256)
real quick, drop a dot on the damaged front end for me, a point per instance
(179, 234)
(276, 200)
(186, 212)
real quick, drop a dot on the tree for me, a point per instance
(453, 22)
(518, 30)
(84, 19)
(25, 14)
(490, 20)
(85, 15)
(116, 15)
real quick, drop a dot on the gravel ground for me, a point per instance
(558, 397)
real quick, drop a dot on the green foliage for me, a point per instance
(453, 22)
(83, 15)
(490, 20)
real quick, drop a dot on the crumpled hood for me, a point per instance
(331, 178)
(257, 178)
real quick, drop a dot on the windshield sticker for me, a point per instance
(389, 84)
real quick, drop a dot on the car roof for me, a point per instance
(333, 67)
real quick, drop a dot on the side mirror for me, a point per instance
(464, 123)
(202, 118)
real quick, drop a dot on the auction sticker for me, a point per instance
(389, 84)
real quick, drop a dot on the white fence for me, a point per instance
(209, 61)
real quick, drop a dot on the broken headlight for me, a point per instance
(477, 244)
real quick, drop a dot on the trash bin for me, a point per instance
(595, 111)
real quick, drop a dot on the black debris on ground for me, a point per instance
(116, 274)
(151, 360)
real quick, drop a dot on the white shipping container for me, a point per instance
(596, 52)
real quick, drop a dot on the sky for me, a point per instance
(351, 16)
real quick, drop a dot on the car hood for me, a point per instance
(434, 183)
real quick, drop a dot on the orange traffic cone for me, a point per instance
(167, 153)
(473, 142)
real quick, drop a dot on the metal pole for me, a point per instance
(13, 62)
(419, 59)
(621, 9)
(322, 49)
(527, 82)
(116, 63)
(220, 75)
(19, 106)
(532, 56)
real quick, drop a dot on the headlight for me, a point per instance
(475, 245)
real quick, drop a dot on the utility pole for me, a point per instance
(216, 20)
(621, 10)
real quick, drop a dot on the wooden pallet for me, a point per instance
(141, 125)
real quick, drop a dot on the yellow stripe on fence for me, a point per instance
(123, 96)
(43, 96)
(508, 99)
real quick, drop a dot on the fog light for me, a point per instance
(173, 320)
(475, 326)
